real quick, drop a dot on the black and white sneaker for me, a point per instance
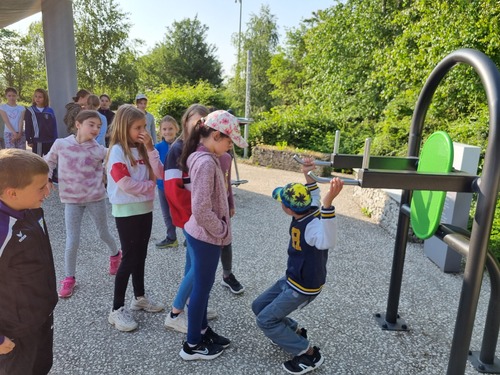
(210, 337)
(304, 363)
(233, 284)
(201, 351)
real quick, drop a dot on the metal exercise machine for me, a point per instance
(243, 121)
(404, 173)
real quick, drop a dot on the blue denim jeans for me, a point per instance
(167, 218)
(203, 265)
(186, 285)
(272, 309)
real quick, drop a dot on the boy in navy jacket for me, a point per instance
(27, 276)
(312, 232)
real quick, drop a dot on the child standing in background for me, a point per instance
(104, 109)
(27, 276)
(168, 130)
(132, 165)
(79, 102)
(93, 104)
(79, 160)
(13, 117)
(40, 123)
(209, 226)
(141, 102)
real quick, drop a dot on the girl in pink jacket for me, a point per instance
(208, 228)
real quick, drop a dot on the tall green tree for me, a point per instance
(22, 60)
(184, 57)
(102, 45)
(261, 38)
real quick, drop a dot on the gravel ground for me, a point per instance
(340, 321)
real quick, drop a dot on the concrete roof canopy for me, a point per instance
(12, 11)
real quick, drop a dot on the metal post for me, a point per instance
(247, 98)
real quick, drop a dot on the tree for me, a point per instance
(22, 62)
(286, 72)
(261, 38)
(101, 33)
(184, 57)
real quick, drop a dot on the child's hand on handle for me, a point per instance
(146, 140)
(336, 185)
(7, 346)
(307, 167)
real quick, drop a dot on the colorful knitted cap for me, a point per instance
(295, 196)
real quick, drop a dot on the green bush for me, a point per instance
(305, 128)
(174, 100)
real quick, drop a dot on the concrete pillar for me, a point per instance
(60, 56)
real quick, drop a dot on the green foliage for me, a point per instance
(261, 38)
(22, 61)
(174, 100)
(305, 128)
(105, 60)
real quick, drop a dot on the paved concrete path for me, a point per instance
(340, 321)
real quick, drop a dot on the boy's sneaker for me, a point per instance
(146, 304)
(167, 243)
(210, 337)
(233, 284)
(122, 319)
(200, 351)
(304, 363)
(67, 286)
(178, 323)
(114, 263)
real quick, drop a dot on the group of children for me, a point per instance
(194, 186)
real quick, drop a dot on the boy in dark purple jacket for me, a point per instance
(27, 276)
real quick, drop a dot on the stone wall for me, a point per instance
(282, 158)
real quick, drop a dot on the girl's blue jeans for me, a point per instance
(204, 261)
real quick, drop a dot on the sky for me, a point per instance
(150, 18)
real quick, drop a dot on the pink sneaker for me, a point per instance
(114, 263)
(68, 284)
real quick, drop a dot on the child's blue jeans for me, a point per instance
(272, 309)
(203, 264)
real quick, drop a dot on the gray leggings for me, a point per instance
(73, 213)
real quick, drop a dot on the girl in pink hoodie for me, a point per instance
(208, 228)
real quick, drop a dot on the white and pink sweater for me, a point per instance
(130, 188)
(80, 169)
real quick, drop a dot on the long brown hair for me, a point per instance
(125, 116)
(193, 109)
(45, 97)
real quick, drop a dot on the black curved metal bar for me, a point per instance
(487, 191)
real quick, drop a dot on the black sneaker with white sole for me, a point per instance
(233, 284)
(201, 351)
(210, 337)
(304, 363)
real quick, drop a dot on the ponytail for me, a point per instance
(191, 143)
